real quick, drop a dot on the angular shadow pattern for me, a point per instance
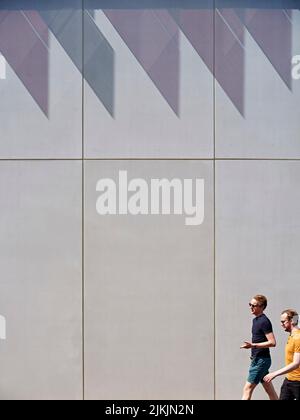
(230, 56)
(190, 4)
(153, 38)
(272, 30)
(151, 30)
(99, 59)
(24, 44)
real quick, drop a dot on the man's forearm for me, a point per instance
(265, 345)
(287, 369)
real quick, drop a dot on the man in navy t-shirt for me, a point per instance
(262, 339)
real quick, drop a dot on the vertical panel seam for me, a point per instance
(83, 214)
(214, 186)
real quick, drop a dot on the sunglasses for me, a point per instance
(253, 306)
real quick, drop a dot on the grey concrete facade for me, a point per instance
(144, 306)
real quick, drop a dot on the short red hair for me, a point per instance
(262, 300)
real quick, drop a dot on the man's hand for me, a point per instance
(269, 378)
(246, 345)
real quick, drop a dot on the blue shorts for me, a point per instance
(259, 368)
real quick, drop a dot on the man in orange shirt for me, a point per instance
(290, 389)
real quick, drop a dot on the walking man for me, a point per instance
(290, 389)
(262, 339)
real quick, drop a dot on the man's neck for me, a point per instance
(294, 329)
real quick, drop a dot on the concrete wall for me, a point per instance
(144, 307)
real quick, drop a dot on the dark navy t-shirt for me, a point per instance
(261, 326)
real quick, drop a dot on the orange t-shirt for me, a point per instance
(292, 347)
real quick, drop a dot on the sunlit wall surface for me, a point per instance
(144, 306)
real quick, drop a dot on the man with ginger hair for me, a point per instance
(290, 389)
(262, 339)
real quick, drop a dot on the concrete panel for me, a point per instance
(257, 99)
(148, 293)
(40, 284)
(41, 93)
(154, 82)
(257, 251)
